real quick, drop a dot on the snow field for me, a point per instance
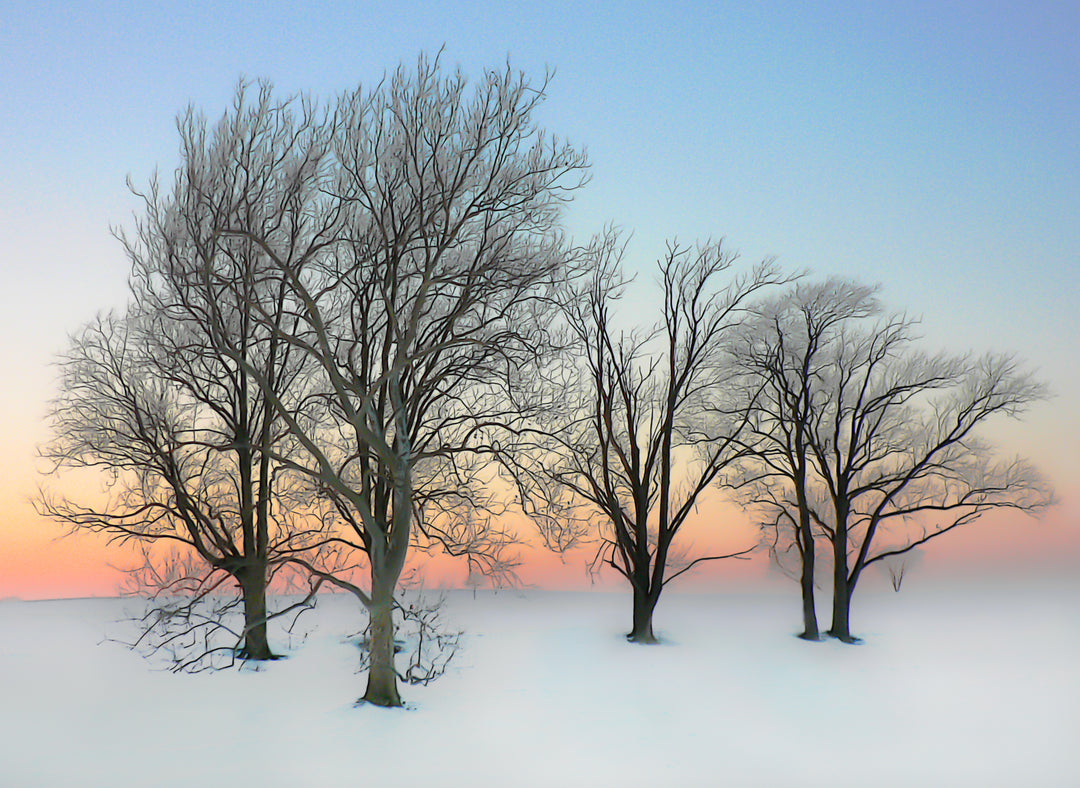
(971, 684)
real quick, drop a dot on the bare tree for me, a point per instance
(175, 490)
(900, 445)
(419, 317)
(165, 398)
(891, 434)
(648, 426)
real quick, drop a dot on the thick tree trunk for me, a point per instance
(382, 688)
(388, 548)
(841, 603)
(644, 604)
(841, 628)
(841, 607)
(253, 588)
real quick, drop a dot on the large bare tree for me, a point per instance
(648, 424)
(418, 315)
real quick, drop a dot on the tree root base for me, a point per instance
(244, 654)
(851, 640)
(361, 702)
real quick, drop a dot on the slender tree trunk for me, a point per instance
(808, 554)
(382, 688)
(810, 623)
(644, 604)
(807, 549)
(253, 588)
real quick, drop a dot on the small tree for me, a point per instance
(891, 433)
(647, 425)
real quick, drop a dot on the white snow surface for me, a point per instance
(964, 685)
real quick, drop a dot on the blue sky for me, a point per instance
(932, 147)
(902, 142)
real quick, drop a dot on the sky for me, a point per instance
(933, 148)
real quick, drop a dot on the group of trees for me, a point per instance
(860, 440)
(329, 312)
(358, 330)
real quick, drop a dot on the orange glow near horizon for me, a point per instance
(38, 561)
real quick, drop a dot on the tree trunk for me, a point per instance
(388, 548)
(810, 624)
(840, 628)
(253, 588)
(804, 538)
(644, 604)
(841, 607)
(382, 688)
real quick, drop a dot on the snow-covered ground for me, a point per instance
(963, 685)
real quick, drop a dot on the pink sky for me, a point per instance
(38, 562)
